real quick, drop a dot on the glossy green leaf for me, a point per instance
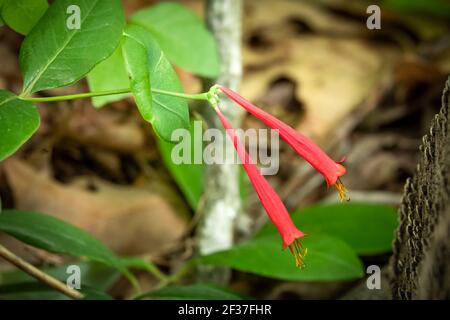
(96, 279)
(188, 176)
(137, 62)
(109, 74)
(193, 292)
(1, 19)
(94, 294)
(94, 275)
(182, 36)
(30, 291)
(148, 68)
(328, 259)
(54, 235)
(52, 55)
(18, 121)
(39, 291)
(245, 187)
(434, 8)
(22, 15)
(367, 228)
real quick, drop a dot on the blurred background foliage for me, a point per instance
(104, 174)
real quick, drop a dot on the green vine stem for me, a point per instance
(198, 96)
(168, 280)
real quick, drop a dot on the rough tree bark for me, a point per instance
(221, 202)
(420, 264)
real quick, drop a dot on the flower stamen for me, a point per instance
(298, 253)
(341, 190)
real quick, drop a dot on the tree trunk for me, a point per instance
(420, 266)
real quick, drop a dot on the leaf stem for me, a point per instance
(38, 274)
(199, 96)
(185, 269)
(76, 96)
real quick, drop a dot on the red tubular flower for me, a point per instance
(270, 200)
(330, 169)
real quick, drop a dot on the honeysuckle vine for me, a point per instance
(200, 96)
(270, 200)
(331, 170)
(308, 150)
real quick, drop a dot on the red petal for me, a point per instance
(306, 148)
(269, 198)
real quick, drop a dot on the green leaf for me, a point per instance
(18, 121)
(434, 8)
(1, 20)
(137, 62)
(188, 176)
(182, 36)
(193, 292)
(30, 291)
(328, 259)
(39, 291)
(22, 15)
(367, 228)
(94, 275)
(52, 55)
(54, 235)
(245, 186)
(109, 74)
(94, 294)
(148, 68)
(96, 278)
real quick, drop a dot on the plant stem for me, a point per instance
(170, 279)
(38, 274)
(199, 96)
(182, 272)
(76, 96)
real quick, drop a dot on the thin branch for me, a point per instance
(38, 274)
